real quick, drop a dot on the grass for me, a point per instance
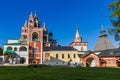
(58, 73)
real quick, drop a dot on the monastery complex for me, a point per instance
(37, 46)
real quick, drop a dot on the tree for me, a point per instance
(1, 51)
(115, 19)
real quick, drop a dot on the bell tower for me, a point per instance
(32, 35)
(77, 43)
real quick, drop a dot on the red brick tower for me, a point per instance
(32, 35)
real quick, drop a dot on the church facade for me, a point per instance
(37, 46)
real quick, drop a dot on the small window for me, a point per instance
(23, 48)
(68, 55)
(56, 55)
(74, 55)
(62, 56)
(25, 36)
(15, 49)
(9, 48)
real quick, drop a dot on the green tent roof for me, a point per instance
(8, 51)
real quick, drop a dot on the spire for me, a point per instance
(31, 15)
(25, 24)
(44, 26)
(77, 36)
(35, 15)
(102, 32)
(77, 33)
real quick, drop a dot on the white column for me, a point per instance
(28, 35)
(41, 51)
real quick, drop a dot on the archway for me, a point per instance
(34, 36)
(90, 62)
(22, 60)
(8, 56)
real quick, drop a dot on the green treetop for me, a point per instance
(115, 19)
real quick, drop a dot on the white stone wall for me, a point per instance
(13, 41)
(24, 54)
(79, 48)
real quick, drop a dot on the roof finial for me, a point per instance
(35, 15)
(102, 31)
(77, 33)
(44, 24)
(102, 28)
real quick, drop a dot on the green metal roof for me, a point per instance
(8, 51)
(17, 43)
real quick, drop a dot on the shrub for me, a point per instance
(37, 66)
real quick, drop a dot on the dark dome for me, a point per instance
(50, 34)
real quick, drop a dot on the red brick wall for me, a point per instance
(109, 61)
(96, 58)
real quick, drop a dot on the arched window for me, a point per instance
(74, 55)
(68, 55)
(23, 48)
(62, 56)
(34, 36)
(22, 60)
(15, 49)
(9, 48)
(56, 55)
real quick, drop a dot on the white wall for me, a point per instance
(79, 48)
(13, 41)
(24, 54)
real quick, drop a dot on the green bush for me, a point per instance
(37, 66)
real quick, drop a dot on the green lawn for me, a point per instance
(59, 73)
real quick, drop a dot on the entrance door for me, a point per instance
(90, 62)
(8, 58)
(22, 60)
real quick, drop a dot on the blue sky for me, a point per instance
(60, 16)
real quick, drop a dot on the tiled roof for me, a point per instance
(85, 54)
(103, 44)
(65, 48)
(110, 53)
